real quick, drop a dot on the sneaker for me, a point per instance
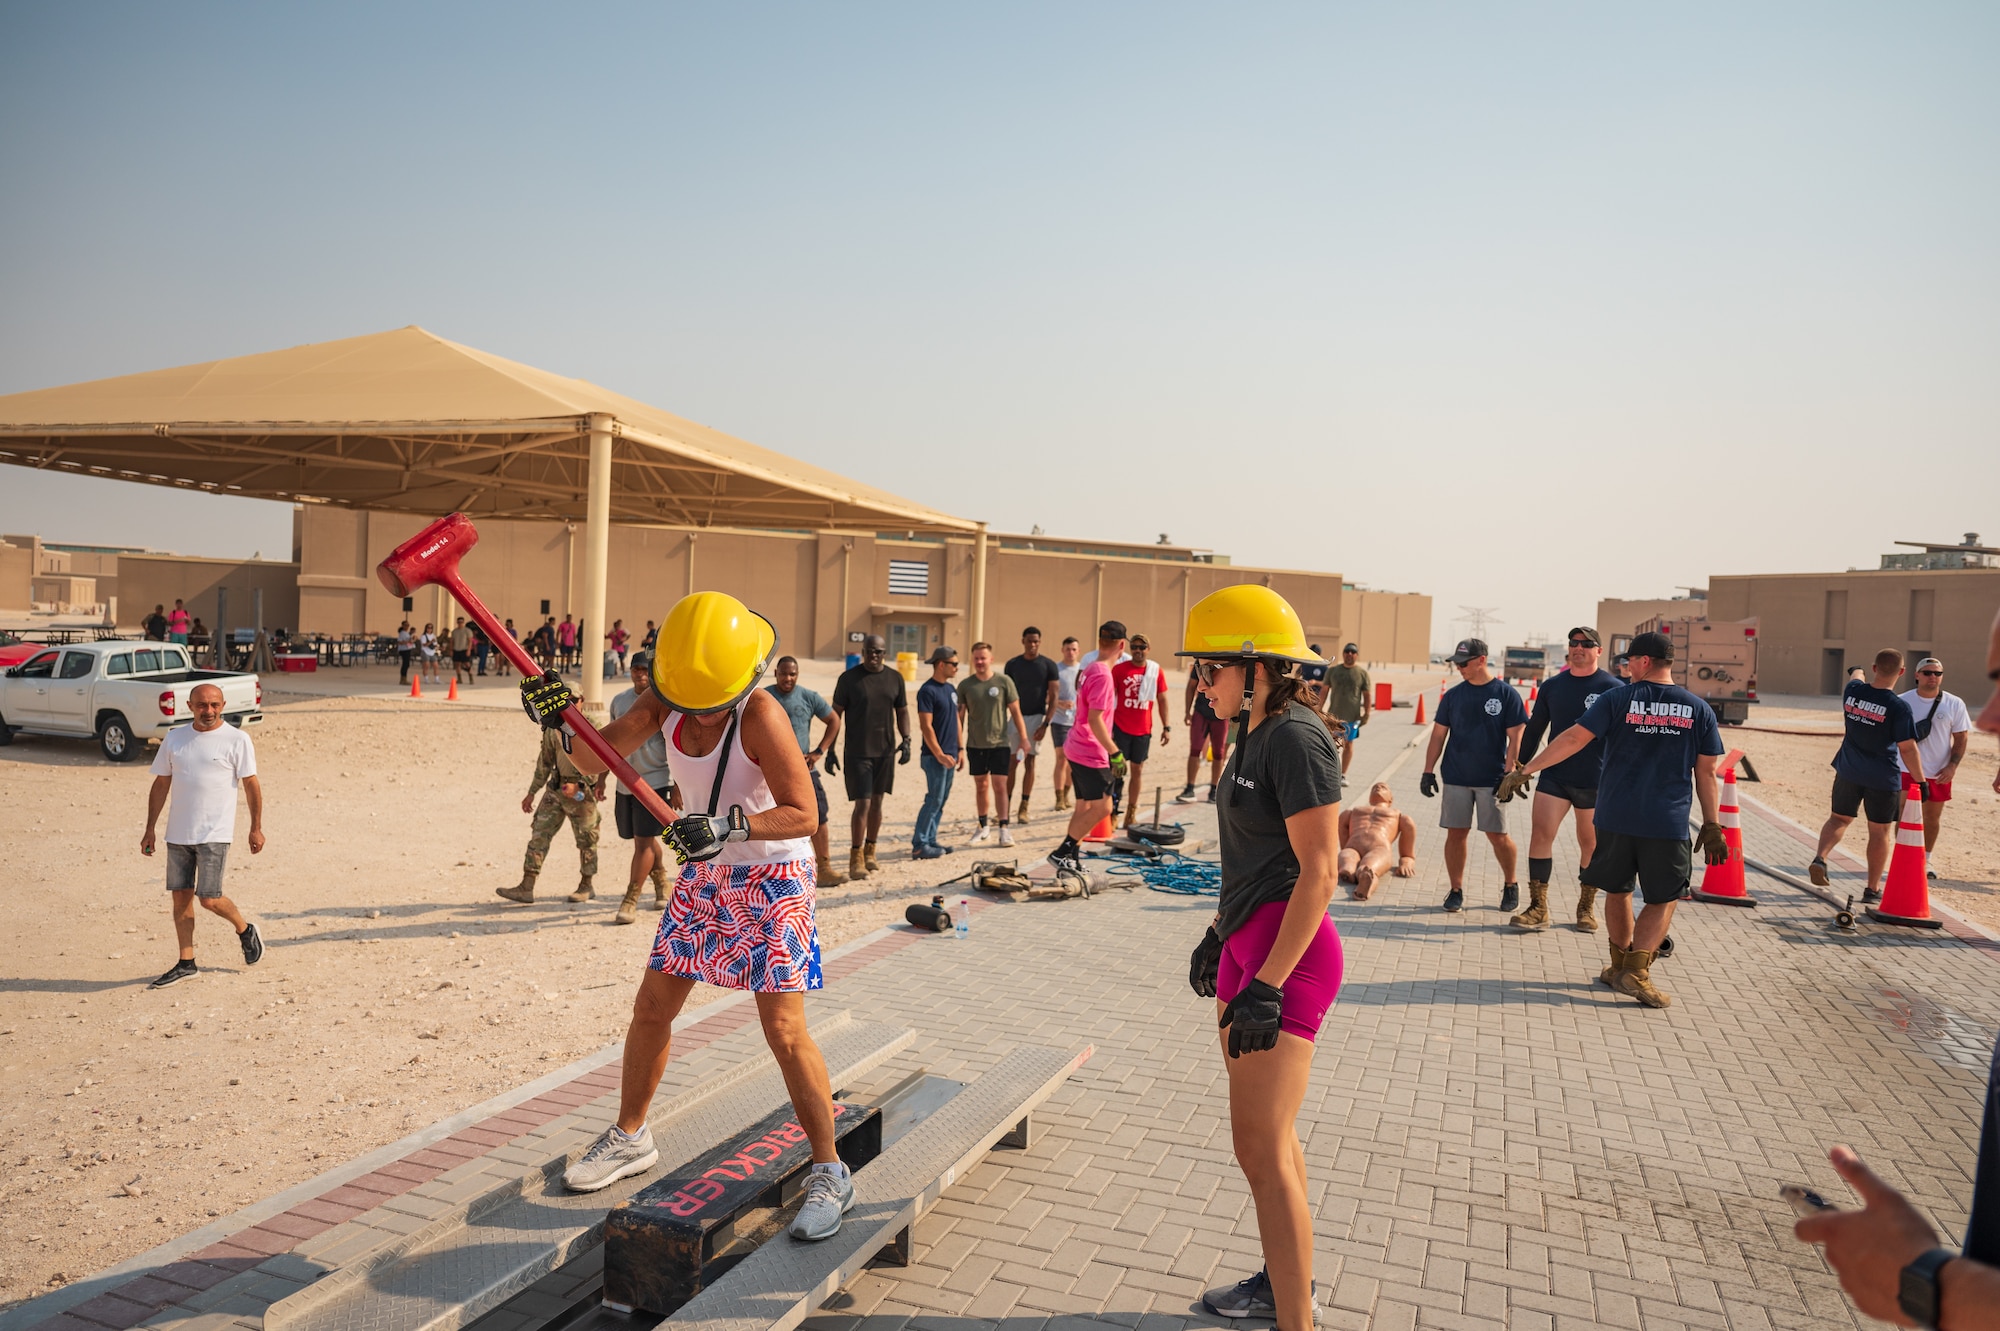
(1870, 895)
(253, 944)
(984, 834)
(1211, 794)
(1931, 874)
(927, 852)
(1817, 872)
(1006, 837)
(1510, 898)
(1066, 863)
(1187, 796)
(1249, 1298)
(1454, 900)
(183, 970)
(829, 1196)
(611, 1157)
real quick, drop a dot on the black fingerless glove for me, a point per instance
(544, 699)
(1252, 1019)
(1429, 785)
(1203, 963)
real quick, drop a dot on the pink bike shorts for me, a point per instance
(1314, 982)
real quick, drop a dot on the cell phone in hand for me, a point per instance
(1804, 1200)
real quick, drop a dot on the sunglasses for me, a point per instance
(1206, 671)
(1581, 642)
(1931, 674)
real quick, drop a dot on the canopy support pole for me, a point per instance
(596, 559)
(979, 584)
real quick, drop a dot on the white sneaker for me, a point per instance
(829, 1196)
(610, 1158)
(984, 834)
(1006, 837)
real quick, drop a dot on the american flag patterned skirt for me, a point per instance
(742, 926)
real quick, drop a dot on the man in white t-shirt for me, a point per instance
(1944, 727)
(202, 765)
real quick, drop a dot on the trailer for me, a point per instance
(1714, 659)
(1525, 663)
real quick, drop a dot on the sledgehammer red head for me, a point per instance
(429, 557)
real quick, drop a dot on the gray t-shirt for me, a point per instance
(650, 762)
(1283, 767)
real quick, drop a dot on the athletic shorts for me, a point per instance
(1016, 741)
(197, 869)
(1940, 790)
(869, 777)
(1210, 732)
(1058, 734)
(1090, 783)
(1311, 987)
(819, 794)
(1461, 802)
(632, 817)
(460, 658)
(1882, 806)
(1136, 748)
(1661, 865)
(742, 926)
(1579, 797)
(989, 762)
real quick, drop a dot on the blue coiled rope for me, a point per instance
(1172, 872)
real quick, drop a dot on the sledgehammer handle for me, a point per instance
(585, 731)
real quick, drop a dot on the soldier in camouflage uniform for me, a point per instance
(565, 793)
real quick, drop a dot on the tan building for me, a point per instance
(1622, 618)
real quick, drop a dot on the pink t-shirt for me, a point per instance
(566, 634)
(1094, 695)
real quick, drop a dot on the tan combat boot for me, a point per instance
(868, 857)
(1586, 909)
(828, 875)
(1609, 973)
(523, 891)
(584, 891)
(660, 889)
(857, 867)
(1021, 815)
(628, 909)
(1635, 978)
(1536, 916)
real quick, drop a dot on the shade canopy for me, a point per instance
(408, 421)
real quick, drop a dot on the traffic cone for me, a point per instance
(451, 694)
(417, 687)
(1420, 709)
(1104, 830)
(1534, 691)
(1906, 895)
(1722, 884)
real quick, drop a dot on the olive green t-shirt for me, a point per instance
(985, 702)
(1347, 690)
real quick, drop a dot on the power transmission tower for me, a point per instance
(1476, 618)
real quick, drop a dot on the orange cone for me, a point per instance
(417, 687)
(1722, 884)
(1104, 831)
(1534, 690)
(1906, 895)
(1420, 709)
(451, 694)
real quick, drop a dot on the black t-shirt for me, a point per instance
(1284, 766)
(1478, 717)
(1982, 1230)
(1031, 681)
(1652, 734)
(1559, 704)
(1876, 722)
(868, 701)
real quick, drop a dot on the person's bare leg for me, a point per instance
(1194, 762)
(645, 854)
(1266, 1091)
(1134, 784)
(648, 1040)
(1830, 834)
(857, 822)
(1454, 855)
(226, 908)
(784, 1019)
(822, 850)
(1618, 919)
(980, 801)
(1933, 820)
(1346, 756)
(1881, 838)
(1086, 814)
(874, 819)
(1022, 788)
(182, 910)
(1061, 777)
(1505, 851)
(1545, 821)
(1651, 929)
(1586, 835)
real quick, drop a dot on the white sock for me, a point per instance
(624, 1136)
(837, 1169)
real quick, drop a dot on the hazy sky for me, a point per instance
(1518, 305)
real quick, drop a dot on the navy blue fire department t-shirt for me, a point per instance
(1652, 734)
(1559, 704)
(1877, 721)
(1478, 717)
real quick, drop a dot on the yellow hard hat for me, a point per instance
(712, 650)
(1244, 621)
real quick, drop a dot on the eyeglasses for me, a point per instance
(1931, 674)
(1206, 671)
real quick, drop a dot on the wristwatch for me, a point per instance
(1917, 1292)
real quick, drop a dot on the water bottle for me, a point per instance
(964, 918)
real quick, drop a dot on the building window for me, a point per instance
(909, 577)
(1923, 608)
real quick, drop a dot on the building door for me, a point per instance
(1832, 670)
(907, 638)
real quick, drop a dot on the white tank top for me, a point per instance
(742, 784)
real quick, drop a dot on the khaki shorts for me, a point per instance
(1461, 803)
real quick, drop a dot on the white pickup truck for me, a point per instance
(123, 692)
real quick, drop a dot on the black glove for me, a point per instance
(1252, 1019)
(903, 752)
(1429, 785)
(832, 763)
(1923, 792)
(544, 697)
(1204, 962)
(699, 836)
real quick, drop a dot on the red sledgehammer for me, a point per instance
(431, 558)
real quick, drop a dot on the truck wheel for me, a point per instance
(114, 736)
(6, 733)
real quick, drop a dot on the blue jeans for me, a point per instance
(937, 789)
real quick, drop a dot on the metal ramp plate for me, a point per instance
(458, 1275)
(783, 1282)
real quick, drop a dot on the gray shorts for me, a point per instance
(1031, 744)
(1460, 802)
(197, 869)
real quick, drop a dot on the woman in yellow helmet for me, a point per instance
(741, 912)
(1271, 958)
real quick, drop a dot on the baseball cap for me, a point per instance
(1467, 649)
(1350, 647)
(1930, 661)
(1111, 628)
(1656, 645)
(1588, 633)
(1140, 640)
(942, 654)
